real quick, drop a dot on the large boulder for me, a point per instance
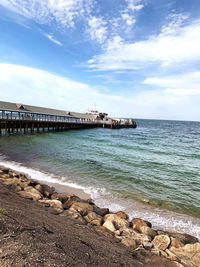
(59, 196)
(147, 231)
(5, 170)
(45, 189)
(171, 256)
(110, 226)
(24, 184)
(116, 220)
(122, 214)
(183, 238)
(161, 242)
(175, 242)
(100, 211)
(30, 193)
(82, 208)
(137, 223)
(5, 175)
(11, 181)
(189, 255)
(55, 204)
(93, 218)
(138, 237)
(75, 215)
(71, 200)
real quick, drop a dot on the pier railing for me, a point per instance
(12, 121)
(9, 117)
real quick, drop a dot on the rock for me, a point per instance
(175, 242)
(188, 255)
(96, 223)
(62, 197)
(100, 211)
(138, 237)
(10, 181)
(32, 182)
(109, 225)
(30, 193)
(44, 189)
(75, 215)
(92, 216)
(47, 190)
(5, 170)
(71, 200)
(55, 204)
(155, 251)
(82, 208)
(137, 223)
(90, 201)
(117, 232)
(147, 245)
(14, 174)
(105, 231)
(117, 221)
(5, 176)
(161, 242)
(148, 231)
(163, 253)
(39, 187)
(129, 242)
(24, 184)
(122, 215)
(171, 255)
(183, 238)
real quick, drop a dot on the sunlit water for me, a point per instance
(152, 171)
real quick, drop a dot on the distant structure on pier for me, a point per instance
(16, 117)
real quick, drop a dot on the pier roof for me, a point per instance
(19, 107)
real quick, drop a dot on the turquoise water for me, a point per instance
(157, 163)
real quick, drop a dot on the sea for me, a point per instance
(151, 172)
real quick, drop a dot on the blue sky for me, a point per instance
(130, 58)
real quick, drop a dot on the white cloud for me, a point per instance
(51, 38)
(38, 87)
(65, 13)
(49, 11)
(23, 84)
(165, 49)
(130, 21)
(97, 29)
(184, 84)
(175, 21)
(134, 5)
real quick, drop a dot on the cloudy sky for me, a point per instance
(130, 58)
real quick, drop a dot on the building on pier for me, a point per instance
(16, 117)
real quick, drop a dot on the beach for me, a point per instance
(143, 176)
(151, 172)
(42, 227)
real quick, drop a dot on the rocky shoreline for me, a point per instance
(151, 247)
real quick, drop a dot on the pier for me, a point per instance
(21, 118)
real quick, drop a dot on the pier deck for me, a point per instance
(20, 118)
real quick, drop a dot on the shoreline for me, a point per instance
(134, 233)
(160, 218)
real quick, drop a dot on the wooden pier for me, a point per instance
(20, 118)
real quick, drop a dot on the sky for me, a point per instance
(129, 58)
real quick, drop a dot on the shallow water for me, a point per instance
(157, 164)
